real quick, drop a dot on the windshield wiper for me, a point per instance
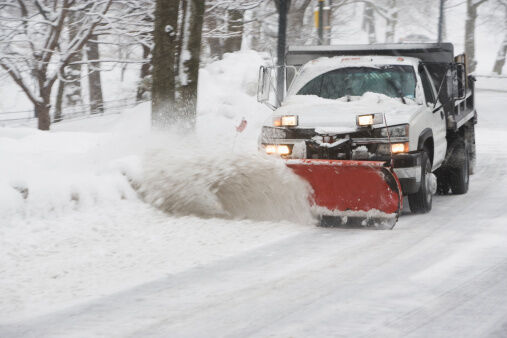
(398, 90)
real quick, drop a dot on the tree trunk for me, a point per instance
(73, 71)
(42, 112)
(180, 41)
(369, 23)
(256, 33)
(190, 71)
(391, 22)
(500, 59)
(142, 87)
(470, 35)
(43, 108)
(59, 101)
(214, 42)
(94, 79)
(502, 51)
(234, 31)
(163, 87)
(295, 25)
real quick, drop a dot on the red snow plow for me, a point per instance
(352, 193)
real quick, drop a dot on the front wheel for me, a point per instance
(421, 201)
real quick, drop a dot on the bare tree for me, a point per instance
(94, 77)
(369, 23)
(391, 16)
(295, 20)
(163, 60)
(502, 50)
(72, 72)
(35, 53)
(470, 23)
(214, 23)
(189, 72)
(224, 24)
(235, 18)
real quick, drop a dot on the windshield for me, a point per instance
(393, 81)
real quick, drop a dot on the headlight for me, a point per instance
(397, 148)
(270, 149)
(280, 149)
(393, 148)
(395, 131)
(283, 149)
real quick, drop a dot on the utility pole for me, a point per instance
(441, 22)
(282, 37)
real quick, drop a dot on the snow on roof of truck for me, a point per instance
(428, 52)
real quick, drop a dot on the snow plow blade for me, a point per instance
(352, 193)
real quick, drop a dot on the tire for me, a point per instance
(459, 174)
(421, 201)
(443, 185)
(472, 149)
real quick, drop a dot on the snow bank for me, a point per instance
(491, 83)
(45, 174)
(214, 173)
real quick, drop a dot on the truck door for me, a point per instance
(437, 118)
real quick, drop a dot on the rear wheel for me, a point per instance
(459, 174)
(421, 201)
(443, 185)
(472, 149)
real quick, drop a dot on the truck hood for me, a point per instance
(339, 116)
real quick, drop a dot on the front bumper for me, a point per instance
(362, 146)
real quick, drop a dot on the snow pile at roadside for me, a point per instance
(491, 83)
(214, 173)
(47, 174)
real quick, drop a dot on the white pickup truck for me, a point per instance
(410, 104)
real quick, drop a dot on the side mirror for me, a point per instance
(264, 84)
(459, 81)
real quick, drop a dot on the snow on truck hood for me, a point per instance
(339, 116)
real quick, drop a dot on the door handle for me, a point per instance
(442, 114)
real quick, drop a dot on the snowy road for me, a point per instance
(438, 275)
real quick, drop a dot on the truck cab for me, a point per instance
(393, 103)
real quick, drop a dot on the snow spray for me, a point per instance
(192, 177)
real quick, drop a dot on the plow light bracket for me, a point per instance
(286, 121)
(290, 121)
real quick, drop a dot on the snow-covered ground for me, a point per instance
(82, 255)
